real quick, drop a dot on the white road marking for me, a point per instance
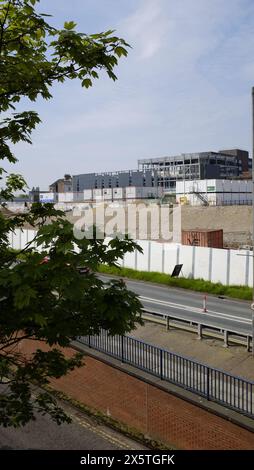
(198, 295)
(100, 432)
(188, 308)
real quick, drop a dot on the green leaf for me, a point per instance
(40, 319)
(69, 25)
(28, 10)
(23, 296)
(94, 74)
(87, 82)
(50, 302)
(121, 51)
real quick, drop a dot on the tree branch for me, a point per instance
(12, 342)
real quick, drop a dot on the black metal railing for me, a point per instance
(213, 384)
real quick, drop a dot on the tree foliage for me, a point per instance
(51, 302)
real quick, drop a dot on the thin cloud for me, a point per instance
(184, 87)
(147, 27)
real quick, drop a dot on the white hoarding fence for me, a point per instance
(229, 267)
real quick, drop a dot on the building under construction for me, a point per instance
(161, 173)
(226, 164)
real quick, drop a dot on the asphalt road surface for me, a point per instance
(224, 313)
(84, 433)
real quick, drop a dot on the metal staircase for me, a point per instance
(202, 197)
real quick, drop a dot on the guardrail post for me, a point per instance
(199, 331)
(167, 323)
(248, 343)
(122, 348)
(161, 364)
(208, 383)
(225, 339)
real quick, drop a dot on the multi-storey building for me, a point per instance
(193, 166)
(62, 185)
(165, 171)
(162, 172)
(116, 179)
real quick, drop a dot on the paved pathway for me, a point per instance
(84, 433)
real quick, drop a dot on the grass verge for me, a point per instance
(237, 292)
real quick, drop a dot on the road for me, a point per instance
(84, 433)
(223, 313)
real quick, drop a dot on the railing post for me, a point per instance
(122, 348)
(161, 364)
(155, 359)
(251, 388)
(225, 338)
(208, 383)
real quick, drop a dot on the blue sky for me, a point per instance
(184, 87)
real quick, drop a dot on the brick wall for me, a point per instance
(149, 409)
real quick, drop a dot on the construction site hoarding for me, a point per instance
(205, 238)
